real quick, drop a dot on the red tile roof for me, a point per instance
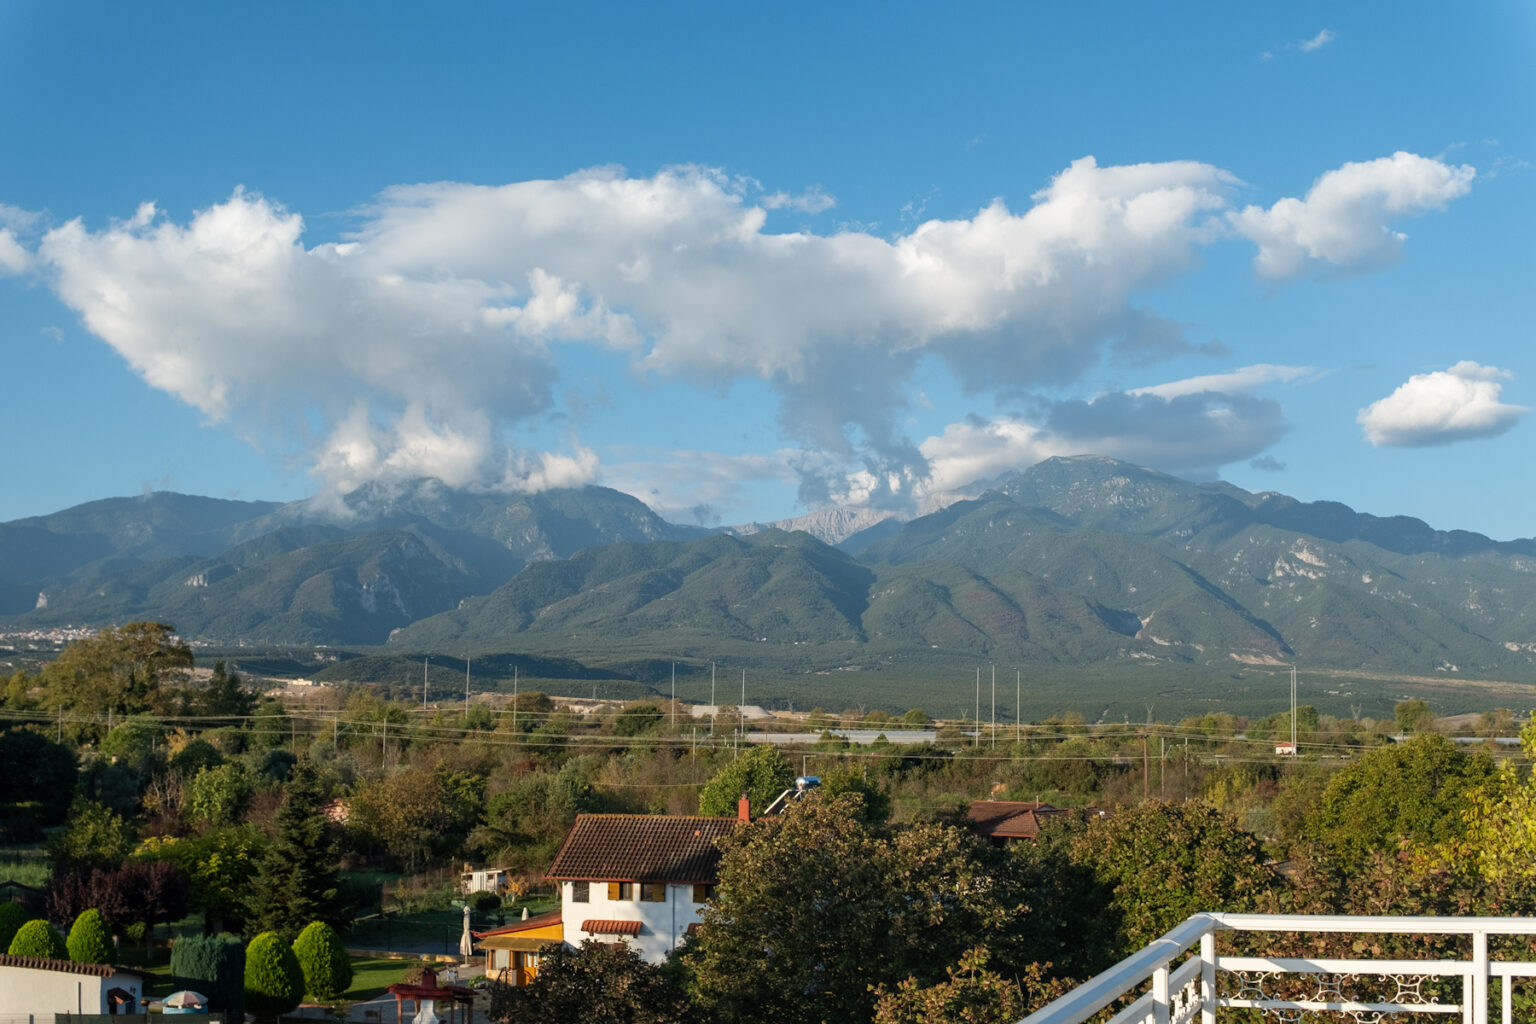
(537, 921)
(38, 963)
(597, 927)
(641, 848)
(1010, 819)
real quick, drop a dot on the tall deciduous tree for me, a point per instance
(761, 773)
(121, 670)
(819, 906)
(296, 881)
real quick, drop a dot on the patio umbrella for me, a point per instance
(185, 1001)
(466, 941)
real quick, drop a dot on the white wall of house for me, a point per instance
(42, 993)
(663, 925)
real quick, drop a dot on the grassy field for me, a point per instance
(25, 864)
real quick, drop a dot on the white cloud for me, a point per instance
(1458, 404)
(701, 486)
(1342, 222)
(1192, 426)
(412, 344)
(1317, 42)
(14, 258)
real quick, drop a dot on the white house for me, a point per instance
(34, 989)
(638, 878)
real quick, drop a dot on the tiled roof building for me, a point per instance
(1001, 820)
(641, 848)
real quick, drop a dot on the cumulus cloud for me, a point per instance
(1343, 221)
(413, 343)
(703, 486)
(1458, 404)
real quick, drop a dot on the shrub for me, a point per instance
(215, 966)
(274, 982)
(89, 940)
(486, 902)
(12, 916)
(324, 961)
(39, 938)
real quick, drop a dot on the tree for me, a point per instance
(38, 938)
(220, 795)
(37, 780)
(12, 916)
(89, 940)
(213, 965)
(1160, 863)
(761, 773)
(636, 719)
(597, 983)
(219, 864)
(1413, 716)
(971, 994)
(1413, 791)
(818, 906)
(94, 837)
(323, 959)
(418, 815)
(296, 881)
(118, 671)
(525, 823)
(274, 982)
(223, 695)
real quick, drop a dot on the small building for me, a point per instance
(638, 878)
(36, 988)
(512, 953)
(1004, 821)
(473, 880)
(1285, 749)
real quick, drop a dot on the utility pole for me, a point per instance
(714, 709)
(1018, 704)
(994, 705)
(514, 703)
(1146, 771)
(466, 684)
(977, 719)
(741, 709)
(424, 683)
(674, 695)
(1294, 749)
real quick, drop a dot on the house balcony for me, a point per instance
(1185, 977)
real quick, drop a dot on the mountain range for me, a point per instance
(1075, 562)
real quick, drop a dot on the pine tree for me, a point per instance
(296, 882)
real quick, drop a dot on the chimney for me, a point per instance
(744, 810)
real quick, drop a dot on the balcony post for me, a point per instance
(1160, 1014)
(1479, 998)
(1208, 978)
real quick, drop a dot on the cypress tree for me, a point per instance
(213, 965)
(274, 983)
(296, 881)
(324, 960)
(89, 940)
(40, 939)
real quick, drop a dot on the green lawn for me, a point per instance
(25, 864)
(371, 977)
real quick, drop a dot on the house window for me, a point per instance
(703, 893)
(581, 892)
(653, 892)
(621, 891)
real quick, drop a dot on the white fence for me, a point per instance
(1180, 978)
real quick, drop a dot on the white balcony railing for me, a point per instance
(1180, 978)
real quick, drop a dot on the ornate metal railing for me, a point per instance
(1180, 978)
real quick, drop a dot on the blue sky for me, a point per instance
(743, 263)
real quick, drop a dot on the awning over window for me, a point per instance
(593, 927)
